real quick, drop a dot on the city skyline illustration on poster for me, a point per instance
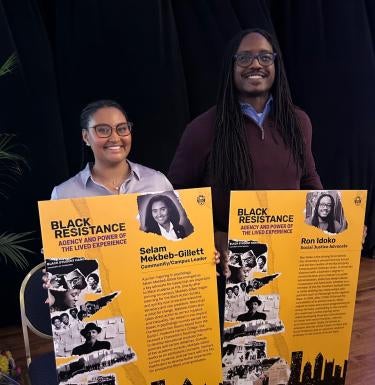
(133, 288)
(289, 303)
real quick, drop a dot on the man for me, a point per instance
(90, 307)
(252, 314)
(254, 138)
(92, 344)
(81, 314)
(75, 280)
(248, 259)
(323, 217)
(265, 138)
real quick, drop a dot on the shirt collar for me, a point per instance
(134, 169)
(164, 230)
(258, 117)
(86, 172)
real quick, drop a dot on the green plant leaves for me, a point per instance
(12, 249)
(9, 65)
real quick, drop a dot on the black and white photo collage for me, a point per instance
(95, 379)
(249, 315)
(75, 295)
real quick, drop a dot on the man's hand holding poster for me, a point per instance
(294, 260)
(133, 288)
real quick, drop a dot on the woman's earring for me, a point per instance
(87, 144)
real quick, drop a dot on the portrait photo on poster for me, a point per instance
(71, 273)
(236, 295)
(243, 354)
(102, 379)
(77, 370)
(163, 214)
(70, 279)
(260, 310)
(325, 211)
(93, 283)
(245, 258)
(87, 337)
(65, 326)
(245, 332)
(258, 372)
(246, 373)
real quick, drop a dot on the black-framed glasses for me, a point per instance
(325, 205)
(104, 130)
(244, 59)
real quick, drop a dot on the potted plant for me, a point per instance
(12, 247)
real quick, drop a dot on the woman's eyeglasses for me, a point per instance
(105, 130)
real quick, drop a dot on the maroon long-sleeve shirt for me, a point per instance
(273, 164)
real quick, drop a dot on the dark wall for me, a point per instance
(161, 60)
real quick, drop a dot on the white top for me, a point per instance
(141, 180)
(170, 234)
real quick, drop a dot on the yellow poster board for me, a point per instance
(294, 259)
(133, 284)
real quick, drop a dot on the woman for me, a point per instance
(107, 130)
(261, 263)
(64, 300)
(93, 283)
(163, 218)
(56, 323)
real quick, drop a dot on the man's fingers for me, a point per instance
(216, 257)
(364, 234)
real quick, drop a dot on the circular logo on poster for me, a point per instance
(201, 200)
(357, 200)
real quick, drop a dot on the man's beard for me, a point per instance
(257, 94)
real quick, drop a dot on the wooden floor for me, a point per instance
(361, 370)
